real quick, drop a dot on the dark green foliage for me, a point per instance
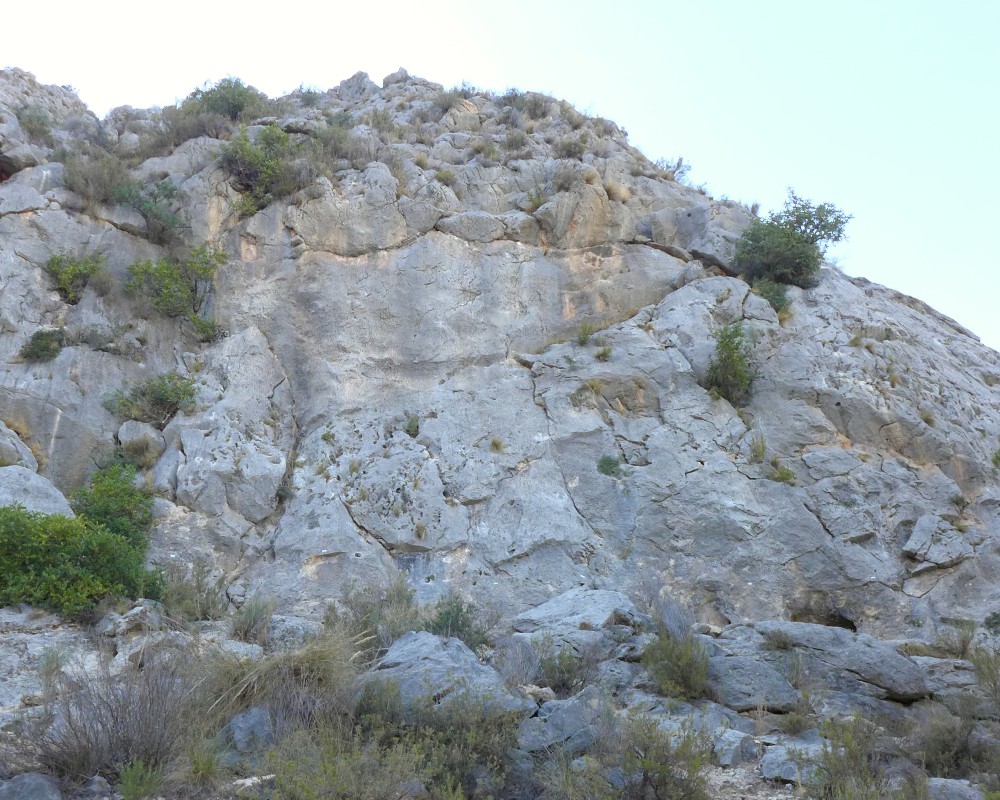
(43, 345)
(679, 664)
(562, 669)
(661, 765)
(67, 564)
(729, 371)
(992, 622)
(265, 169)
(73, 274)
(609, 465)
(229, 98)
(775, 293)
(452, 616)
(788, 246)
(153, 202)
(177, 288)
(114, 501)
(155, 400)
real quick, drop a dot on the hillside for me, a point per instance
(463, 339)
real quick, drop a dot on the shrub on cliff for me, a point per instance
(788, 246)
(229, 98)
(73, 274)
(729, 373)
(155, 400)
(264, 169)
(179, 288)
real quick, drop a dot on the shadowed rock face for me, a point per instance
(404, 383)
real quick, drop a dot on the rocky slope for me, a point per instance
(408, 381)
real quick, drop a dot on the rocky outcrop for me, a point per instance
(473, 351)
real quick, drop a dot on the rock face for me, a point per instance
(425, 354)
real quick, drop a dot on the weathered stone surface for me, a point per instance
(21, 486)
(949, 789)
(30, 786)
(14, 452)
(572, 724)
(868, 659)
(445, 670)
(473, 226)
(795, 764)
(743, 683)
(935, 543)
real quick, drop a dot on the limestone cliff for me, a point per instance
(443, 276)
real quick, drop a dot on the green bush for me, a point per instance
(452, 616)
(177, 288)
(775, 293)
(67, 564)
(43, 345)
(377, 616)
(73, 274)
(115, 502)
(729, 371)
(153, 202)
(679, 664)
(155, 400)
(265, 169)
(139, 782)
(564, 670)
(230, 98)
(788, 246)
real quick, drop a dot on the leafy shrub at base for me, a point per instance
(67, 564)
(114, 501)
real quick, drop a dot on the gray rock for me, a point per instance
(949, 789)
(473, 226)
(95, 788)
(445, 670)
(743, 683)
(14, 452)
(580, 609)
(250, 731)
(573, 724)
(731, 747)
(21, 486)
(936, 543)
(141, 439)
(862, 656)
(30, 786)
(791, 764)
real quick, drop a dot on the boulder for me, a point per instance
(429, 668)
(857, 654)
(572, 725)
(744, 683)
(30, 786)
(21, 486)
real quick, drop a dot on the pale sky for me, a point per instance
(887, 108)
